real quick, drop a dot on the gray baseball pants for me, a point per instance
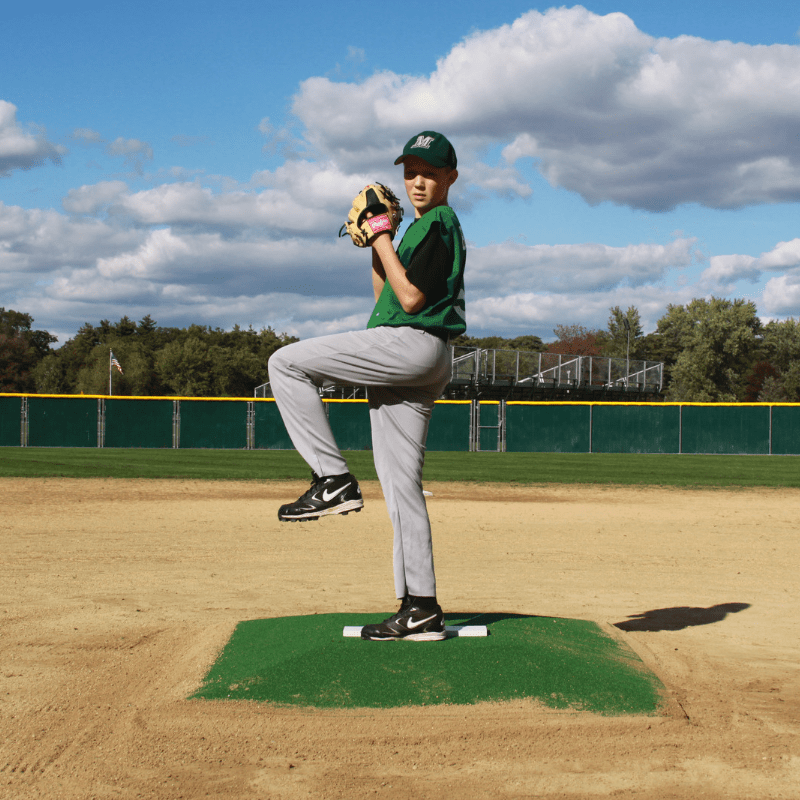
(405, 370)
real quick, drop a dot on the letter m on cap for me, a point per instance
(423, 141)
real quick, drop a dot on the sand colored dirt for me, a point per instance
(115, 596)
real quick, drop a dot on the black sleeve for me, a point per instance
(431, 265)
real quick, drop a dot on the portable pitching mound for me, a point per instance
(306, 661)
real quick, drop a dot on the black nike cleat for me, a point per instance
(336, 494)
(411, 622)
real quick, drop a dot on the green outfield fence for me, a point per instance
(456, 425)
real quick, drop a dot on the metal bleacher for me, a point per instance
(522, 375)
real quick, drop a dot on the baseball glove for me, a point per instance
(387, 214)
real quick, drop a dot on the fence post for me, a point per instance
(101, 422)
(176, 423)
(501, 423)
(473, 424)
(24, 418)
(770, 428)
(250, 436)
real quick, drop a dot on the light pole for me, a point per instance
(627, 324)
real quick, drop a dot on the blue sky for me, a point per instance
(193, 161)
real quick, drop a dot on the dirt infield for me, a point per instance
(115, 596)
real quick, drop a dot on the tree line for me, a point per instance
(198, 361)
(714, 350)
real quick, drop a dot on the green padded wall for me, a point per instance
(138, 423)
(728, 430)
(270, 432)
(62, 422)
(545, 428)
(531, 427)
(350, 424)
(488, 415)
(786, 430)
(636, 429)
(214, 424)
(449, 428)
(10, 421)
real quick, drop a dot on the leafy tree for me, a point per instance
(187, 368)
(137, 378)
(716, 341)
(237, 372)
(578, 341)
(50, 377)
(624, 327)
(125, 327)
(21, 349)
(194, 361)
(781, 345)
(146, 325)
(528, 343)
(760, 373)
(16, 360)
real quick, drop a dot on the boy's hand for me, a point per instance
(375, 210)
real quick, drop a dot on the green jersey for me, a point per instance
(434, 253)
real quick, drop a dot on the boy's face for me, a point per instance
(426, 186)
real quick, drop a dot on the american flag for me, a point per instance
(115, 363)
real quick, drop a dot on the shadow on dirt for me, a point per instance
(676, 619)
(476, 618)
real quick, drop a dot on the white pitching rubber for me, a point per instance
(452, 630)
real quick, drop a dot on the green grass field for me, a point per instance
(522, 468)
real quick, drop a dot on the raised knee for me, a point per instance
(277, 364)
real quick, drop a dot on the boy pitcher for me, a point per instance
(404, 359)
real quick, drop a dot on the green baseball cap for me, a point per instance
(432, 147)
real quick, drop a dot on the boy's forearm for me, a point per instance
(411, 298)
(378, 275)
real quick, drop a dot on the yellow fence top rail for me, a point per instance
(361, 400)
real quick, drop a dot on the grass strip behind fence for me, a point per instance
(523, 468)
(562, 663)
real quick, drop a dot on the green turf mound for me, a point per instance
(563, 663)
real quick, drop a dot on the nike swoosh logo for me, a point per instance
(411, 624)
(326, 496)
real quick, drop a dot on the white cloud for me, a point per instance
(355, 54)
(604, 109)
(87, 134)
(298, 197)
(134, 152)
(781, 296)
(20, 148)
(539, 312)
(41, 242)
(725, 270)
(89, 199)
(575, 267)
(77, 268)
(191, 204)
(783, 255)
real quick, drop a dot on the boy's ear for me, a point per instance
(453, 176)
